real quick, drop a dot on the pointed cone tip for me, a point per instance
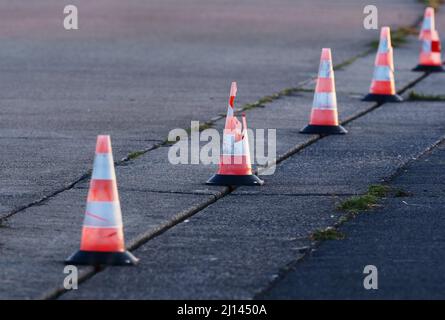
(429, 12)
(326, 54)
(233, 89)
(103, 144)
(385, 33)
(243, 115)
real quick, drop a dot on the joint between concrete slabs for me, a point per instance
(127, 160)
(293, 264)
(143, 239)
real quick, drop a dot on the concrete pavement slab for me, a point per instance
(248, 249)
(138, 69)
(375, 146)
(138, 87)
(226, 251)
(34, 246)
(403, 239)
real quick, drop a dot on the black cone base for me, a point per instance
(421, 68)
(232, 180)
(96, 258)
(316, 129)
(383, 98)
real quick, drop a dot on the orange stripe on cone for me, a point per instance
(103, 190)
(321, 117)
(235, 165)
(383, 87)
(102, 239)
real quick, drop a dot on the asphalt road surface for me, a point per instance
(403, 239)
(138, 69)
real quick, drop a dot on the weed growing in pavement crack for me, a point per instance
(414, 96)
(379, 190)
(365, 202)
(398, 36)
(400, 193)
(352, 206)
(135, 154)
(358, 203)
(329, 233)
(432, 3)
(3, 224)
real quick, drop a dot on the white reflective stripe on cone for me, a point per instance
(427, 24)
(325, 70)
(228, 142)
(426, 46)
(229, 111)
(103, 168)
(325, 100)
(382, 73)
(238, 149)
(383, 46)
(246, 147)
(103, 215)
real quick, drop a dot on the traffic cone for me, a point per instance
(430, 59)
(324, 117)
(383, 88)
(235, 167)
(102, 240)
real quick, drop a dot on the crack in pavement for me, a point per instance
(297, 194)
(127, 159)
(293, 264)
(67, 187)
(140, 240)
(150, 234)
(196, 192)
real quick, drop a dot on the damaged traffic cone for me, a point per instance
(235, 167)
(102, 240)
(383, 88)
(324, 117)
(430, 58)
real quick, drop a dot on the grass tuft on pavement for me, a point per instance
(271, 98)
(414, 96)
(327, 234)
(432, 3)
(398, 36)
(400, 193)
(365, 202)
(358, 203)
(379, 190)
(135, 154)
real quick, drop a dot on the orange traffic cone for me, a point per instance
(430, 59)
(383, 88)
(324, 117)
(235, 166)
(102, 234)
